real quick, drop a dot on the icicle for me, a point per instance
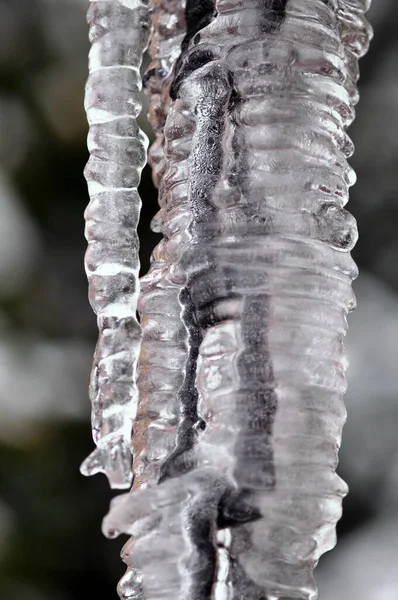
(259, 242)
(164, 344)
(164, 349)
(170, 544)
(119, 31)
(168, 18)
(281, 275)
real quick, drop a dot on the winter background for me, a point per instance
(51, 547)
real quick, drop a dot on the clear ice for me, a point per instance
(241, 371)
(119, 34)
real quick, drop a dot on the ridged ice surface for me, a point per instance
(241, 411)
(168, 32)
(166, 368)
(119, 32)
(164, 337)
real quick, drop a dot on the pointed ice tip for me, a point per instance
(117, 515)
(111, 533)
(92, 464)
(116, 466)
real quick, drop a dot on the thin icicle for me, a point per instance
(164, 344)
(119, 32)
(168, 19)
(163, 351)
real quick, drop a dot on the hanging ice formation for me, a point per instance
(241, 370)
(119, 32)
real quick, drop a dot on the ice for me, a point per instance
(168, 32)
(242, 367)
(171, 546)
(119, 34)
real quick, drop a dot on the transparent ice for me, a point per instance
(241, 371)
(119, 33)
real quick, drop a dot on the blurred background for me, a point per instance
(51, 547)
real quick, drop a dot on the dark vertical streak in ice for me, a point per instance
(210, 99)
(198, 14)
(217, 103)
(258, 405)
(273, 15)
(202, 561)
(257, 402)
(258, 399)
(181, 460)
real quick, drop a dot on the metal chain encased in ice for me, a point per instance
(119, 34)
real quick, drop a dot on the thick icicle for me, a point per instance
(119, 32)
(268, 89)
(284, 252)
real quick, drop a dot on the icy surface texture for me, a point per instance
(256, 251)
(119, 32)
(164, 347)
(168, 19)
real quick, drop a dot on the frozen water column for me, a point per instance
(276, 289)
(119, 33)
(263, 94)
